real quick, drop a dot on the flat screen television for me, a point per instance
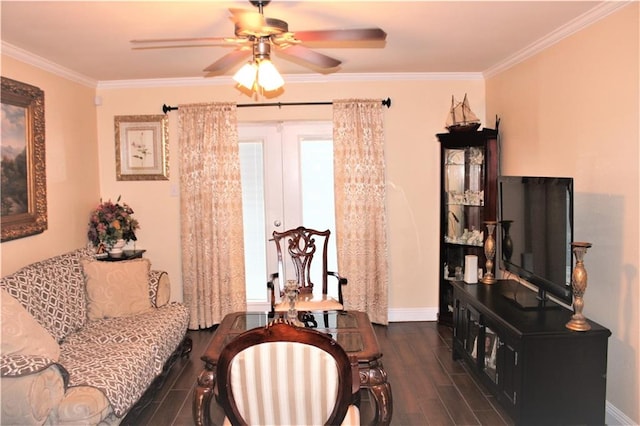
(536, 222)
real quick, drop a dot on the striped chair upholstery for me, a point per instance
(287, 375)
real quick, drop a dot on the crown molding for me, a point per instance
(39, 62)
(46, 65)
(289, 78)
(583, 21)
(601, 11)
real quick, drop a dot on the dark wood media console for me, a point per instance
(540, 371)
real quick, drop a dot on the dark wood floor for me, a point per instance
(429, 388)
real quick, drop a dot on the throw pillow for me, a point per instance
(22, 334)
(116, 289)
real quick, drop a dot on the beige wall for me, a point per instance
(72, 166)
(417, 113)
(573, 111)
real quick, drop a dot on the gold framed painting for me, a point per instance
(142, 147)
(23, 168)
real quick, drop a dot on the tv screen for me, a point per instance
(536, 221)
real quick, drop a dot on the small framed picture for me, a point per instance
(142, 147)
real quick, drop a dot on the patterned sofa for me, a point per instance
(82, 339)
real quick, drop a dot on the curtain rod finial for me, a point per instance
(166, 108)
(387, 102)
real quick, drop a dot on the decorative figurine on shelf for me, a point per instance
(461, 118)
(578, 322)
(489, 252)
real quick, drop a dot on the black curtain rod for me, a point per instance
(385, 102)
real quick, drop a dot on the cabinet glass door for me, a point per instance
(491, 344)
(473, 333)
(463, 209)
(464, 195)
(454, 185)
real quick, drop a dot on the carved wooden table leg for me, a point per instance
(374, 378)
(203, 394)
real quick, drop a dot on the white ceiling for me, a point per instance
(91, 38)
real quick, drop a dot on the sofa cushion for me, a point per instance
(159, 288)
(22, 334)
(83, 405)
(116, 289)
(35, 409)
(122, 371)
(52, 291)
(162, 328)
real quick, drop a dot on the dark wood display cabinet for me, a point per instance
(541, 372)
(468, 180)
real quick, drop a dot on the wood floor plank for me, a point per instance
(435, 413)
(472, 394)
(456, 406)
(428, 387)
(489, 418)
(444, 355)
(169, 408)
(501, 411)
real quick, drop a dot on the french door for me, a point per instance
(287, 181)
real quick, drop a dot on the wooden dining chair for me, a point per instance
(297, 249)
(282, 374)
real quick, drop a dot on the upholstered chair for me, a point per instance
(282, 374)
(298, 251)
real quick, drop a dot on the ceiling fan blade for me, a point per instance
(177, 40)
(364, 34)
(227, 61)
(180, 46)
(311, 56)
(247, 20)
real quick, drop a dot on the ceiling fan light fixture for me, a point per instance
(268, 76)
(246, 76)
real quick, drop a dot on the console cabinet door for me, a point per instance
(508, 373)
(472, 334)
(460, 327)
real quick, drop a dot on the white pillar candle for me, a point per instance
(471, 269)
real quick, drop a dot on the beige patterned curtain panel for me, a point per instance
(360, 197)
(211, 213)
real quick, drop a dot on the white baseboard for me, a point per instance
(413, 314)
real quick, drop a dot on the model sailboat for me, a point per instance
(461, 118)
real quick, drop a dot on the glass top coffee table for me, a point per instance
(351, 329)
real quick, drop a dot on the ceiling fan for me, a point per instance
(256, 35)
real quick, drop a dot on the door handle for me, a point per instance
(277, 223)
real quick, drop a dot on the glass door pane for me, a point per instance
(253, 205)
(316, 158)
(287, 181)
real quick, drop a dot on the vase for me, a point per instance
(116, 248)
(578, 322)
(291, 292)
(489, 252)
(507, 242)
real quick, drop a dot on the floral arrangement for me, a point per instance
(110, 222)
